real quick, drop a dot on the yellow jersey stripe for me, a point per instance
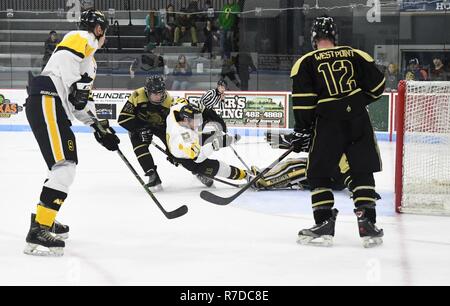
(335, 99)
(304, 107)
(52, 128)
(127, 114)
(128, 119)
(379, 85)
(300, 95)
(373, 96)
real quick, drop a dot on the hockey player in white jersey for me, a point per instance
(56, 97)
(192, 149)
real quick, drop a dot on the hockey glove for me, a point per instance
(144, 135)
(224, 141)
(106, 135)
(301, 140)
(279, 141)
(79, 92)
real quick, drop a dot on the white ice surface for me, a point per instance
(119, 237)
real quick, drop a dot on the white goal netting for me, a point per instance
(426, 148)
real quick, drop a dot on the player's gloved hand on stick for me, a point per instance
(301, 140)
(145, 135)
(225, 141)
(279, 141)
(106, 135)
(171, 160)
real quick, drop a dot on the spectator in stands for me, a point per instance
(153, 26)
(182, 72)
(211, 35)
(414, 72)
(185, 24)
(149, 63)
(169, 24)
(438, 72)
(391, 75)
(244, 66)
(50, 45)
(208, 10)
(227, 24)
(229, 70)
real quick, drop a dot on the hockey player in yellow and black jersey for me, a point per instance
(332, 87)
(56, 97)
(143, 116)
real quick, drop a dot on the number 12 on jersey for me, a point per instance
(343, 70)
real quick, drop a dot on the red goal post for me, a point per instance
(422, 170)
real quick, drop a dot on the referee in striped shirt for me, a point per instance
(208, 101)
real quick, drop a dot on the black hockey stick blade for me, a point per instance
(212, 198)
(180, 211)
(215, 199)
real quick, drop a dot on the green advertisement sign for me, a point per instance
(266, 110)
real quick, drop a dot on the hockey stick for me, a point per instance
(210, 177)
(180, 211)
(242, 161)
(210, 197)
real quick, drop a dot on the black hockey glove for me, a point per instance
(145, 135)
(106, 135)
(79, 92)
(301, 140)
(279, 141)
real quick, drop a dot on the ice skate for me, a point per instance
(370, 234)
(41, 242)
(321, 234)
(208, 182)
(60, 231)
(154, 182)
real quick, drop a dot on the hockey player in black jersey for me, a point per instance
(332, 87)
(143, 116)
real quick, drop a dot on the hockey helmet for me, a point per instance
(91, 18)
(323, 28)
(155, 84)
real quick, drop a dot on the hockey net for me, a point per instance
(422, 182)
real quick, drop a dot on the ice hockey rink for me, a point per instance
(119, 237)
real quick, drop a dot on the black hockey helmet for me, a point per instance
(155, 84)
(188, 112)
(323, 28)
(91, 18)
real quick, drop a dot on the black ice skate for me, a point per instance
(321, 234)
(208, 182)
(41, 242)
(370, 234)
(60, 231)
(154, 182)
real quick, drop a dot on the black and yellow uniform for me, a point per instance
(331, 90)
(139, 113)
